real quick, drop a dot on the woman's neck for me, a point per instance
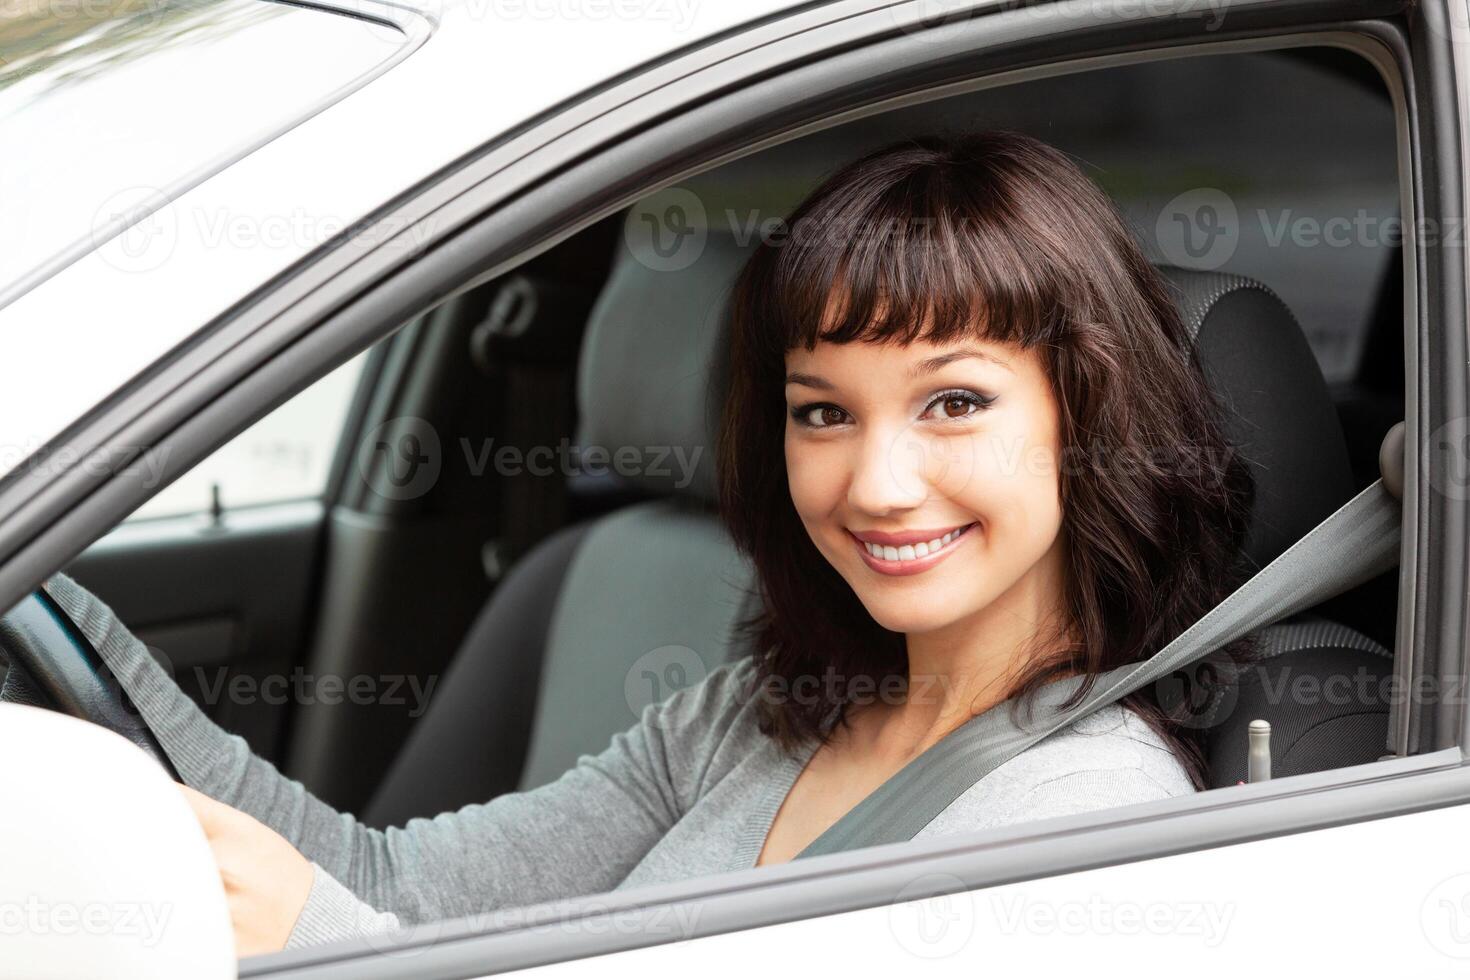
(968, 666)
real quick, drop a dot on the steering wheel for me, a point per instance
(53, 665)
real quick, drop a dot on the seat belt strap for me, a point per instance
(1357, 542)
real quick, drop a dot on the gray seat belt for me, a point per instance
(1358, 541)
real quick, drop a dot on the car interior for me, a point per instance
(544, 609)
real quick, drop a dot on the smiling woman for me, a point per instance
(916, 538)
(949, 328)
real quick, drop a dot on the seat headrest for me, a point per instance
(646, 378)
(649, 384)
(1278, 412)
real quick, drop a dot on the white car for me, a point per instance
(331, 334)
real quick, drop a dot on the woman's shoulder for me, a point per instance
(1112, 757)
(704, 716)
(1110, 738)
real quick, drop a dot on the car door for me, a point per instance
(1070, 890)
(218, 573)
(870, 909)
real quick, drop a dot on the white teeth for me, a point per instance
(911, 551)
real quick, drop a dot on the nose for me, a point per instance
(887, 473)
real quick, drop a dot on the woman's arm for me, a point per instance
(579, 835)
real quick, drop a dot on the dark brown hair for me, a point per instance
(1001, 236)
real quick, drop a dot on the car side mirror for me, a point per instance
(107, 872)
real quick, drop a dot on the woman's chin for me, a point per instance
(910, 617)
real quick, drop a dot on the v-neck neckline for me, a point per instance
(763, 816)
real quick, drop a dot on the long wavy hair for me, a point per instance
(999, 236)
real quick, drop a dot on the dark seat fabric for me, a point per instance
(606, 616)
(1323, 686)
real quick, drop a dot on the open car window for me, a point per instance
(489, 477)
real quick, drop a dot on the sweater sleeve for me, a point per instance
(578, 835)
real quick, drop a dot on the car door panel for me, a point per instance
(224, 601)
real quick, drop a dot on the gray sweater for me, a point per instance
(691, 789)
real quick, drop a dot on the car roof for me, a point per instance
(483, 68)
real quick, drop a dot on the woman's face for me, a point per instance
(927, 475)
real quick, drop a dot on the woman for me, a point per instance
(969, 450)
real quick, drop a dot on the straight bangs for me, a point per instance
(993, 236)
(917, 257)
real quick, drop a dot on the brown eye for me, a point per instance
(957, 407)
(819, 416)
(949, 406)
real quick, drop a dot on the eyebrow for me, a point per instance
(809, 381)
(926, 366)
(932, 364)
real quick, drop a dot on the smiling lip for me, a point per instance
(908, 544)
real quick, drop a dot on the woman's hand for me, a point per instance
(266, 879)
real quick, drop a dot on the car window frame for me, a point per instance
(322, 316)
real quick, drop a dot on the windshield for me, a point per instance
(110, 108)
